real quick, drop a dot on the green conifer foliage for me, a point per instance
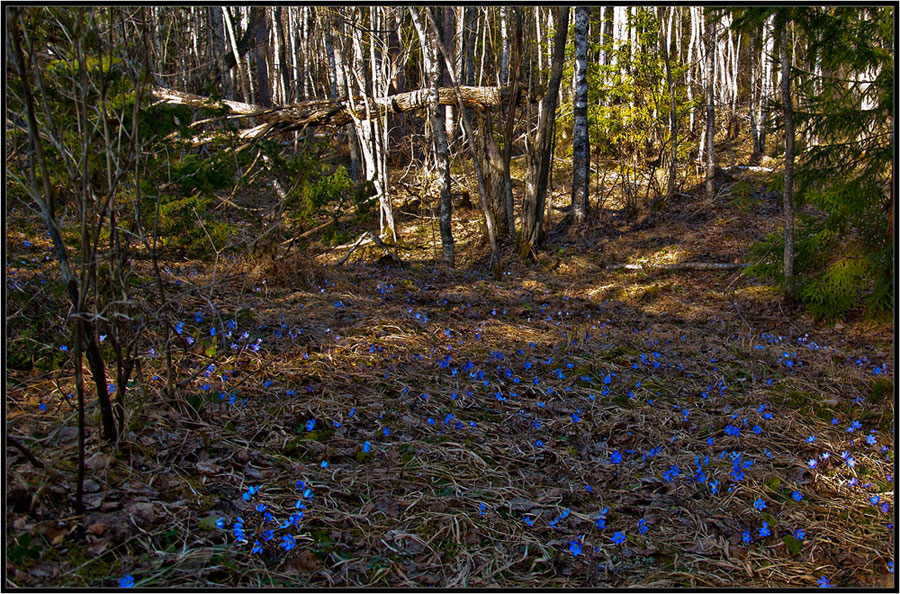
(844, 255)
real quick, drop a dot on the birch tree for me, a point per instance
(710, 104)
(438, 134)
(581, 155)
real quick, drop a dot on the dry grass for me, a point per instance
(408, 512)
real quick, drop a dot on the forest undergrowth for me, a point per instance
(568, 426)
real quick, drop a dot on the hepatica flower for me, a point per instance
(797, 495)
(287, 542)
(127, 581)
(764, 530)
(759, 504)
(799, 534)
(618, 537)
(367, 447)
(823, 582)
(575, 548)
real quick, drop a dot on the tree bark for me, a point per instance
(767, 52)
(242, 74)
(338, 112)
(263, 88)
(581, 151)
(754, 99)
(496, 267)
(539, 159)
(788, 160)
(439, 136)
(710, 104)
(673, 120)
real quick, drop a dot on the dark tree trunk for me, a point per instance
(263, 90)
(539, 160)
(788, 159)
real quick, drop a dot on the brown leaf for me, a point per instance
(208, 467)
(98, 528)
(98, 461)
(704, 546)
(56, 534)
(305, 562)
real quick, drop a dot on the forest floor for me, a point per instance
(567, 426)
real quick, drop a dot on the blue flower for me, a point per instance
(127, 581)
(386, 431)
(529, 521)
(212, 331)
(220, 524)
(287, 542)
(575, 547)
(615, 457)
(764, 530)
(367, 447)
(481, 509)
(539, 443)
(823, 582)
(257, 548)
(797, 495)
(799, 534)
(618, 537)
(746, 537)
(642, 526)
(310, 424)
(874, 499)
(261, 507)
(810, 439)
(759, 504)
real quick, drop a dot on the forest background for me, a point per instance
(186, 188)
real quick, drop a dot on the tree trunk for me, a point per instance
(754, 99)
(767, 52)
(508, 201)
(264, 91)
(539, 160)
(242, 74)
(673, 120)
(496, 267)
(581, 151)
(439, 137)
(788, 160)
(444, 17)
(710, 104)
(504, 45)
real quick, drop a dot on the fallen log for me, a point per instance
(338, 112)
(680, 266)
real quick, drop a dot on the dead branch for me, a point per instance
(680, 266)
(372, 239)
